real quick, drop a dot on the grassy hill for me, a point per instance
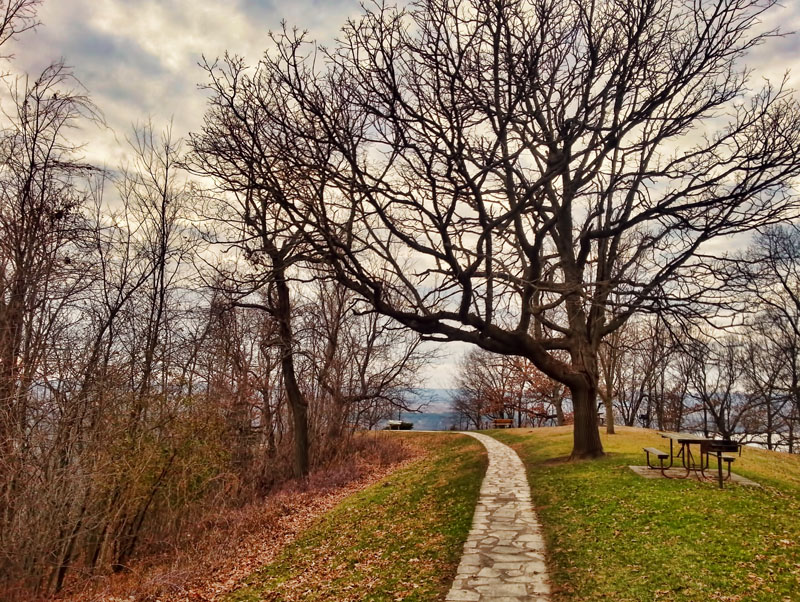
(613, 535)
(398, 540)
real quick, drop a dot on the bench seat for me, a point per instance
(661, 457)
(722, 457)
(656, 452)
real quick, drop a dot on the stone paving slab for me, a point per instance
(504, 555)
(676, 473)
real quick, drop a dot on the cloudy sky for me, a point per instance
(139, 58)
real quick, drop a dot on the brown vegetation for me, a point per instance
(220, 546)
(499, 386)
(145, 376)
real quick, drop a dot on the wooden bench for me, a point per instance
(502, 423)
(661, 457)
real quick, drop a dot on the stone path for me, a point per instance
(504, 555)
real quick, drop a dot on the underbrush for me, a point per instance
(223, 539)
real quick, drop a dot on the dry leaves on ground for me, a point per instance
(235, 542)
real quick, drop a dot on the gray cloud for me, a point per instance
(100, 49)
(139, 58)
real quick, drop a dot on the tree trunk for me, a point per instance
(609, 407)
(66, 557)
(559, 406)
(769, 424)
(269, 427)
(301, 456)
(586, 436)
(11, 321)
(297, 403)
(337, 418)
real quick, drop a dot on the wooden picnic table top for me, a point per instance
(685, 437)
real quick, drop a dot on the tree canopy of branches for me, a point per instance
(524, 175)
(255, 184)
(767, 276)
(40, 201)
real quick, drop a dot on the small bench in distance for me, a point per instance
(661, 457)
(502, 423)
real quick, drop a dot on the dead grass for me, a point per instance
(223, 546)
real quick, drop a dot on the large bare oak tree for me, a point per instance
(525, 175)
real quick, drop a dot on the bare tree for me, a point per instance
(634, 363)
(156, 196)
(16, 17)
(717, 385)
(40, 200)
(767, 278)
(487, 387)
(363, 364)
(525, 176)
(43, 278)
(497, 386)
(761, 367)
(609, 357)
(243, 158)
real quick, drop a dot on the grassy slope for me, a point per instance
(398, 540)
(613, 535)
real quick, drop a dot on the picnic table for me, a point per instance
(697, 462)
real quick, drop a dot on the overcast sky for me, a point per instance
(139, 58)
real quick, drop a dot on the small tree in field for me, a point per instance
(526, 175)
(506, 387)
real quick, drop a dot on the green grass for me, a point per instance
(613, 535)
(398, 540)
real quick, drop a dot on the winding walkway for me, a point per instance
(504, 555)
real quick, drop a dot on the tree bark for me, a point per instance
(586, 436)
(559, 406)
(301, 455)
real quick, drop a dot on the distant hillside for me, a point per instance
(436, 410)
(439, 421)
